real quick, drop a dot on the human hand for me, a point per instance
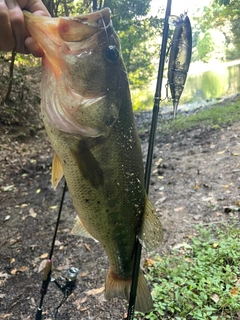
(13, 34)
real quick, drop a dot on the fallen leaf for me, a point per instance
(87, 247)
(215, 298)
(53, 207)
(234, 290)
(83, 309)
(7, 218)
(160, 200)
(13, 271)
(4, 275)
(12, 260)
(93, 292)
(197, 186)
(60, 268)
(149, 263)
(21, 269)
(32, 213)
(42, 265)
(2, 295)
(24, 205)
(7, 188)
(38, 191)
(58, 243)
(44, 256)
(178, 209)
(197, 217)
(80, 301)
(6, 315)
(157, 163)
(221, 152)
(207, 198)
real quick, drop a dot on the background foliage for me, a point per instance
(222, 15)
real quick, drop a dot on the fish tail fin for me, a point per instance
(120, 288)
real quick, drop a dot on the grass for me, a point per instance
(201, 280)
(213, 117)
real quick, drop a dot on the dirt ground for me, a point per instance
(195, 180)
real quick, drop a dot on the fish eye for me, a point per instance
(112, 54)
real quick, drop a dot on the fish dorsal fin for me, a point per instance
(80, 230)
(57, 171)
(88, 165)
(151, 234)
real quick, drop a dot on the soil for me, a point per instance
(195, 181)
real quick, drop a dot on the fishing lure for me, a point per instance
(179, 57)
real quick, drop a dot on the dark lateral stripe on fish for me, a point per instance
(88, 165)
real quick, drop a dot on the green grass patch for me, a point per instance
(200, 280)
(212, 117)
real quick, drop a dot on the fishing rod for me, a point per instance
(48, 267)
(71, 275)
(157, 99)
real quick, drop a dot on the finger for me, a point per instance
(33, 47)
(36, 7)
(7, 40)
(18, 25)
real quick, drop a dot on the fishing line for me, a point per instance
(157, 99)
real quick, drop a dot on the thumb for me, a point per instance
(33, 47)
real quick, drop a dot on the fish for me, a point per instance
(179, 57)
(88, 116)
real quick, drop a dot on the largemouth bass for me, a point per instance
(87, 112)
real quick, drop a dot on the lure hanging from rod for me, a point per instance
(179, 57)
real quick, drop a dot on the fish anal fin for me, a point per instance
(79, 230)
(57, 171)
(120, 288)
(151, 234)
(88, 165)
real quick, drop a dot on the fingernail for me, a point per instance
(11, 4)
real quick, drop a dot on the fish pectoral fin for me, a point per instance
(88, 165)
(57, 171)
(151, 234)
(80, 230)
(118, 287)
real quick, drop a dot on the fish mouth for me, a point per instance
(66, 34)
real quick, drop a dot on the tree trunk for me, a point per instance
(94, 5)
(10, 82)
